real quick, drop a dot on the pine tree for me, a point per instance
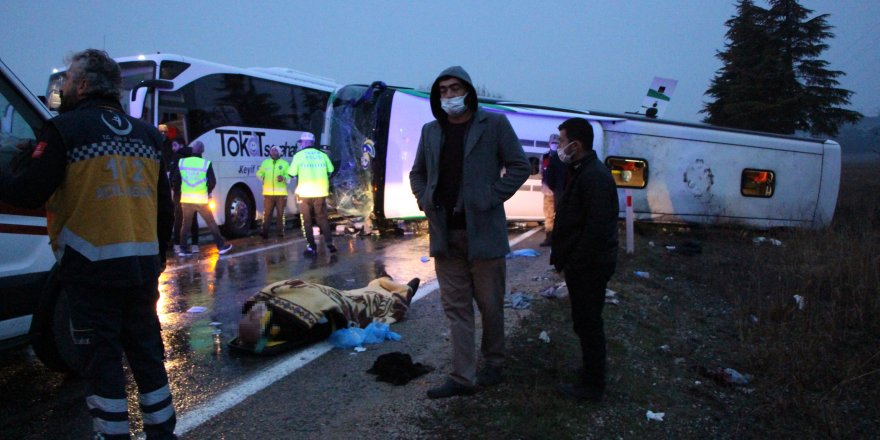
(772, 78)
(739, 86)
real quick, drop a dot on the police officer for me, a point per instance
(194, 180)
(108, 203)
(312, 168)
(273, 174)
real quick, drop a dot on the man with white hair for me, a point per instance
(312, 168)
(100, 175)
(273, 174)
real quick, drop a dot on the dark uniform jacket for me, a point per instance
(585, 229)
(109, 210)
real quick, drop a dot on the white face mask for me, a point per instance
(565, 156)
(454, 106)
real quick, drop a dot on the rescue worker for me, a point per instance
(312, 168)
(180, 151)
(273, 174)
(194, 179)
(101, 177)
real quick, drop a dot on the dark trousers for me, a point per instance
(178, 224)
(106, 323)
(189, 211)
(314, 209)
(586, 290)
(279, 204)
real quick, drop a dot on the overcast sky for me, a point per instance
(594, 55)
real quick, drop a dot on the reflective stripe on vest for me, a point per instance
(194, 180)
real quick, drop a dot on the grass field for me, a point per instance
(814, 366)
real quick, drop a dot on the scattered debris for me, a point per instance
(800, 301)
(753, 318)
(544, 336)
(397, 368)
(725, 376)
(360, 349)
(517, 300)
(641, 274)
(197, 309)
(523, 253)
(665, 348)
(773, 241)
(558, 291)
(669, 279)
(658, 416)
(425, 259)
(651, 243)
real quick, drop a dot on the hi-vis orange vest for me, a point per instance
(106, 205)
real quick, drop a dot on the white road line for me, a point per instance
(233, 255)
(257, 382)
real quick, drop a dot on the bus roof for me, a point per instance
(273, 73)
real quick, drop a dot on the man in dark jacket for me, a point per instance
(108, 206)
(457, 181)
(585, 249)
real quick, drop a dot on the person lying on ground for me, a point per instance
(295, 312)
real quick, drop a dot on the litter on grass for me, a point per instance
(651, 415)
(544, 336)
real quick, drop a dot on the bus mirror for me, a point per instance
(161, 84)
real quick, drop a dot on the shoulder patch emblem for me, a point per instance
(38, 150)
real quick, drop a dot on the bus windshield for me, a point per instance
(132, 74)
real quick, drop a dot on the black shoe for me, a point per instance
(332, 248)
(490, 376)
(451, 388)
(310, 251)
(414, 285)
(580, 393)
(548, 240)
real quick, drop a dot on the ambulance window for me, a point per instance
(628, 172)
(15, 130)
(757, 183)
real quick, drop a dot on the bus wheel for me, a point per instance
(239, 213)
(53, 342)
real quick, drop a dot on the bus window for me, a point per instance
(628, 172)
(171, 69)
(757, 183)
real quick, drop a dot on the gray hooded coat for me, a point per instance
(491, 147)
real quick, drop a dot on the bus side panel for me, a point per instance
(534, 133)
(830, 185)
(236, 154)
(408, 114)
(699, 181)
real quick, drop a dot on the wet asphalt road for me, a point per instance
(199, 295)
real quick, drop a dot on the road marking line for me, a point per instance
(233, 396)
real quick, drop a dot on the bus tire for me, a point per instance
(240, 213)
(52, 340)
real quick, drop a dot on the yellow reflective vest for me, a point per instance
(194, 180)
(269, 171)
(312, 167)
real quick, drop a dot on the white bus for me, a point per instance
(676, 172)
(237, 113)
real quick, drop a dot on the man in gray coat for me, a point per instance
(458, 182)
